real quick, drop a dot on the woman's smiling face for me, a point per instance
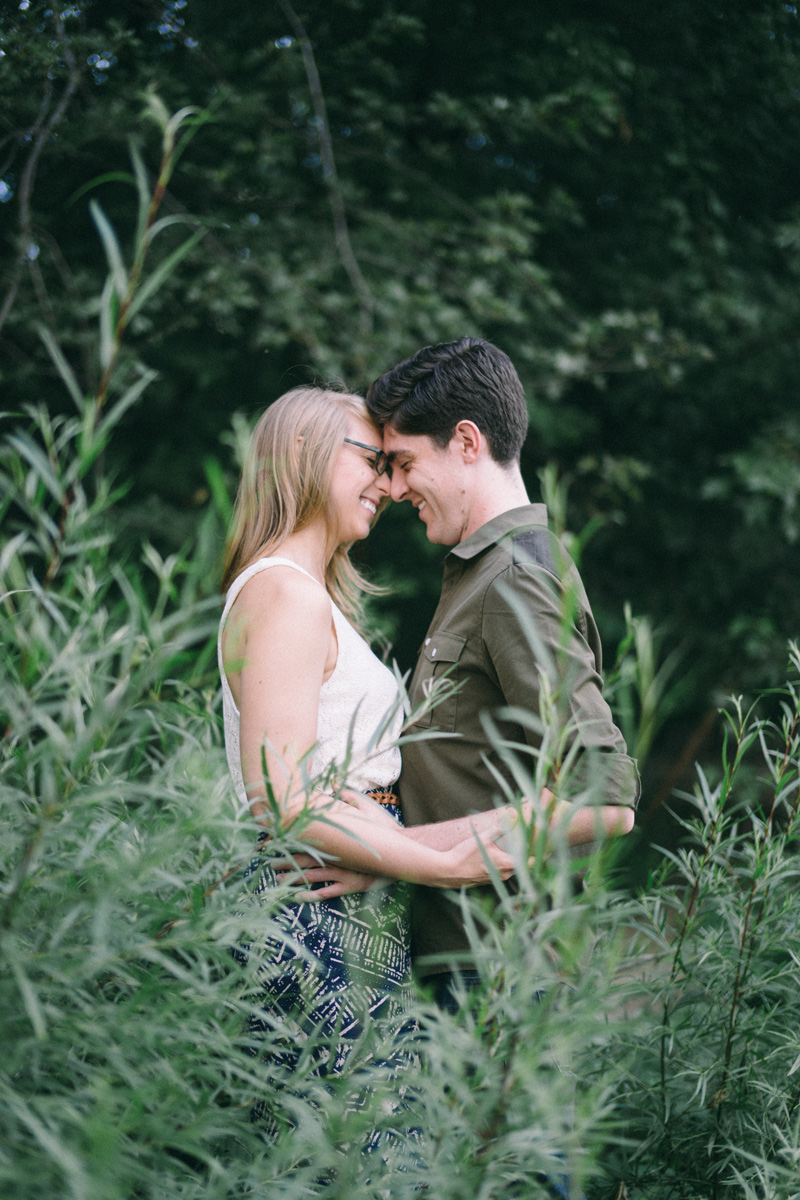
(356, 487)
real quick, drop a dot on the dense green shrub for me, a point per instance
(653, 1041)
(709, 1097)
(124, 1071)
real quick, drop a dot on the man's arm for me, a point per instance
(586, 825)
(526, 632)
(440, 835)
(539, 634)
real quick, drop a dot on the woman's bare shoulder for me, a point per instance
(283, 589)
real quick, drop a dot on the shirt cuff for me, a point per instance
(601, 777)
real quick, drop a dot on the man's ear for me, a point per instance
(469, 439)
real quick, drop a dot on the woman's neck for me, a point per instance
(309, 549)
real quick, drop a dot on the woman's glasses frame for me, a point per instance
(380, 463)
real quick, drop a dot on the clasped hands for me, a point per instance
(492, 831)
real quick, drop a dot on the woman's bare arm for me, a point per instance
(581, 825)
(283, 644)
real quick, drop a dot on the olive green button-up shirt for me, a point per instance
(513, 619)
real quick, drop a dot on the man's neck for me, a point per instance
(498, 490)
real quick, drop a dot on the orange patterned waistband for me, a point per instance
(382, 796)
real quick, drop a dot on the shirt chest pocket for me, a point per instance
(436, 681)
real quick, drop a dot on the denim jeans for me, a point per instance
(446, 988)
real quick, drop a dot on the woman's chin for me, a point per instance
(357, 533)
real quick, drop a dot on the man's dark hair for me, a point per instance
(467, 380)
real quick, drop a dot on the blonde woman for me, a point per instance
(310, 711)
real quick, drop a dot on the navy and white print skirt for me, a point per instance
(331, 970)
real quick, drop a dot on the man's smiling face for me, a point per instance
(434, 480)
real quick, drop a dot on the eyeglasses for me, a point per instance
(380, 461)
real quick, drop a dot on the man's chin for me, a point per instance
(438, 537)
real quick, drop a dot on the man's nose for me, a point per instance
(398, 490)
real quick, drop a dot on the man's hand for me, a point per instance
(305, 869)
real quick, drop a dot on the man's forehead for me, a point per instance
(398, 445)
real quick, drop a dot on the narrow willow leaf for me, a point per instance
(111, 247)
(106, 177)
(216, 485)
(61, 364)
(178, 118)
(29, 999)
(115, 414)
(143, 190)
(97, 439)
(157, 109)
(10, 550)
(40, 463)
(57, 617)
(107, 323)
(166, 222)
(163, 271)
(88, 435)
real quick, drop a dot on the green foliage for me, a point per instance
(648, 1045)
(124, 1070)
(641, 690)
(651, 1043)
(642, 1047)
(709, 1095)
(610, 196)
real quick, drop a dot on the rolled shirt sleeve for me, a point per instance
(536, 628)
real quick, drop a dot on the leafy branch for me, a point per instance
(341, 232)
(41, 132)
(124, 294)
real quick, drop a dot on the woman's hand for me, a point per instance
(463, 865)
(339, 881)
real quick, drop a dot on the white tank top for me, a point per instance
(360, 714)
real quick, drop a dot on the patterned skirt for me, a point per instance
(333, 970)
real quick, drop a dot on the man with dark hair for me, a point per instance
(456, 381)
(512, 612)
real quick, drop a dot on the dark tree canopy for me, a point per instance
(609, 191)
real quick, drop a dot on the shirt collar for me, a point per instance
(498, 528)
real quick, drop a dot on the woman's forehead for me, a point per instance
(363, 431)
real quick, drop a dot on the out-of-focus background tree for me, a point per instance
(608, 191)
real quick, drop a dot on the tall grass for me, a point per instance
(642, 1047)
(710, 1096)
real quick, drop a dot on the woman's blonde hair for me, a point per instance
(286, 483)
